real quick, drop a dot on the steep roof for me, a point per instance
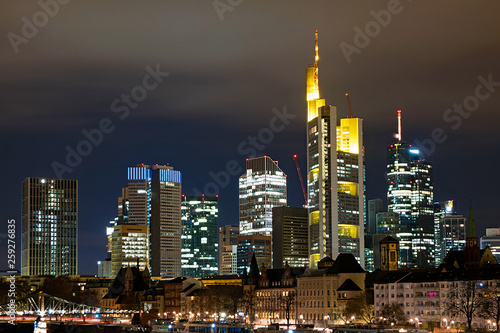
(388, 239)
(349, 285)
(118, 285)
(345, 263)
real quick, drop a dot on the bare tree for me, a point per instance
(361, 308)
(491, 305)
(248, 303)
(465, 299)
(394, 313)
(287, 303)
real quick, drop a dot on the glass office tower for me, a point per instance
(200, 234)
(49, 240)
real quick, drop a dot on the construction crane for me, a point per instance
(349, 103)
(301, 180)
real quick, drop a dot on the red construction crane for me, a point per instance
(349, 103)
(301, 180)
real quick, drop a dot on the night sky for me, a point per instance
(228, 68)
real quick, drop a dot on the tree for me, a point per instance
(338, 312)
(465, 299)
(361, 308)
(61, 286)
(287, 302)
(394, 313)
(248, 303)
(491, 305)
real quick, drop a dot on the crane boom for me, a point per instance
(349, 103)
(301, 180)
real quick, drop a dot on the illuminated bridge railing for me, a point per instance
(45, 304)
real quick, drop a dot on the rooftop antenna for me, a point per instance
(399, 125)
(349, 103)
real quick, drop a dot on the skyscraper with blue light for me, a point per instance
(200, 234)
(154, 199)
(410, 192)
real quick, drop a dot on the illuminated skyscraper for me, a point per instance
(410, 194)
(290, 241)
(200, 233)
(260, 189)
(452, 233)
(335, 179)
(49, 240)
(227, 248)
(129, 247)
(153, 196)
(441, 209)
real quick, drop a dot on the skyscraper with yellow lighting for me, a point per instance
(335, 180)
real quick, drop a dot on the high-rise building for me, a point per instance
(104, 268)
(452, 233)
(258, 245)
(260, 189)
(129, 247)
(49, 240)
(153, 196)
(387, 223)
(227, 237)
(374, 206)
(410, 194)
(290, 237)
(228, 264)
(441, 209)
(335, 179)
(200, 247)
(492, 240)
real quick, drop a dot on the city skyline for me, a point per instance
(218, 93)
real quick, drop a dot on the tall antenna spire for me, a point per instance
(316, 58)
(399, 125)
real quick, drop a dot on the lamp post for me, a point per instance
(445, 322)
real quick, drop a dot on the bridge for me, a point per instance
(42, 304)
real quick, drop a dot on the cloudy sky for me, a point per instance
(229, 64)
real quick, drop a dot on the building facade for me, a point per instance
(290, 237)
(250, 245)
(441, 209)
(260, 189)
(335, 179)
(322, 293)
(228, 264)
(130, 244)
(227, 237)
(452, 234)
(491, 240)
(410, 194)
(200, 235)
(153, 196)
(49, 231)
